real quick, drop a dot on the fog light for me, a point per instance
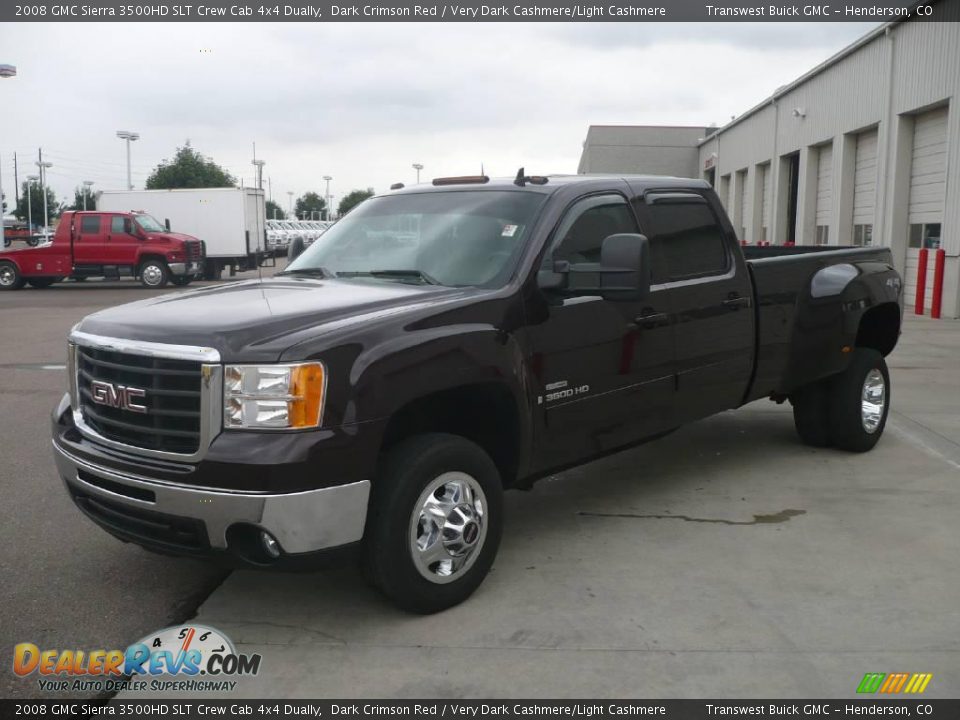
(270, 544)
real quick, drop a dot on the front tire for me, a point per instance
(860, 402)
(154, 274)
(435, 520)
(10, 277)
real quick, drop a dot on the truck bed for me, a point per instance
(788, 281)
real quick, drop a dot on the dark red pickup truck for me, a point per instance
(105, 244)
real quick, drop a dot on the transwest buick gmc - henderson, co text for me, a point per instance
(443, 343)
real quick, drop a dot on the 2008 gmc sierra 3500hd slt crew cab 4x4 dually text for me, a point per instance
(443, 343)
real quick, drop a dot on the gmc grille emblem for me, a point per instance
(118, 396)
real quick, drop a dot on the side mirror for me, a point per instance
(623, 272)
(166, 224)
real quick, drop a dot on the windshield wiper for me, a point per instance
(310, 272)
(404, 275)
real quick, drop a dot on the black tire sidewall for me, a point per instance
(405, 472)
(811, 414)
(846, 425)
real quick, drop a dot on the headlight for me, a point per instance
(273, 397)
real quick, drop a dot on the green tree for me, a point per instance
(352, 199)
(36, 204)
(78, 196)
(274, 211)
(309, 203)
(188, 169)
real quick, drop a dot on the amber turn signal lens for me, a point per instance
(307, 384)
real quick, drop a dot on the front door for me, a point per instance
(122, 245)
(603, 368)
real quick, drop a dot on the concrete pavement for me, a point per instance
(726, 560)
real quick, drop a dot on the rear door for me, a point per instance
(604, 367)
(707, 288)
(90, 239)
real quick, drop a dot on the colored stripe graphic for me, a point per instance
(871, 682)
(918, 683)
(893, 683)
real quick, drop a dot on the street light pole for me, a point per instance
(31, 179)
(43, 191)
(129, 137)
(418, 167)
(328, 178)
(258, 164)
(6, 71)
(290, 195)
(87, 184)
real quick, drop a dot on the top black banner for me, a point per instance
(325, 11)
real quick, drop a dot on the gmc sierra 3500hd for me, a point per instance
(442, 343)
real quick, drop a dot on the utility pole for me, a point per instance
(290, 195)
(258, 164)
(16, 182)
(270, 190)
(418, 167)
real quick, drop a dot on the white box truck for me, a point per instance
(230, 221)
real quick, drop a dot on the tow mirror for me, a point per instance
(623, 272)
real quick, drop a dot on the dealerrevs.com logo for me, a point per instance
(185, 658)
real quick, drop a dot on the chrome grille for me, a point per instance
(172, 399)
(194, 250)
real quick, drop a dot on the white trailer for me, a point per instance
(230, 221)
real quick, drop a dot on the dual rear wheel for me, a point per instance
(849, 410)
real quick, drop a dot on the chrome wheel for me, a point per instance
(448, 527)
(8, 276)
(152, 275)
(873, 398)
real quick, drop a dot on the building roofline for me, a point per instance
(813, 72)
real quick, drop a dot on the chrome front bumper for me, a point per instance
(184, 268)
(301, 522)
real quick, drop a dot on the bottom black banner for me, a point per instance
(679, 709)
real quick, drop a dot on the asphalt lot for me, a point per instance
(726, 560)
(63, 582)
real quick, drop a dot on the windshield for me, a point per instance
(149, 223)
(452, 238)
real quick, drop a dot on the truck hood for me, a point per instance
(255, 321)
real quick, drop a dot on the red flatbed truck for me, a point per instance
(105, 244)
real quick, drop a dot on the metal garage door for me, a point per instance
(824, 193)
(865, 188)
(766, 180)
(928, 180)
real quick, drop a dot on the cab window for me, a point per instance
(118, 224)
(90, 224)
(586, 225)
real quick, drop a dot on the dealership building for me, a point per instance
(863, 149)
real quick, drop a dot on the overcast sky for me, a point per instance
(362, 102)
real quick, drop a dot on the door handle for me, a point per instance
(650, 320)
(735, 303)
